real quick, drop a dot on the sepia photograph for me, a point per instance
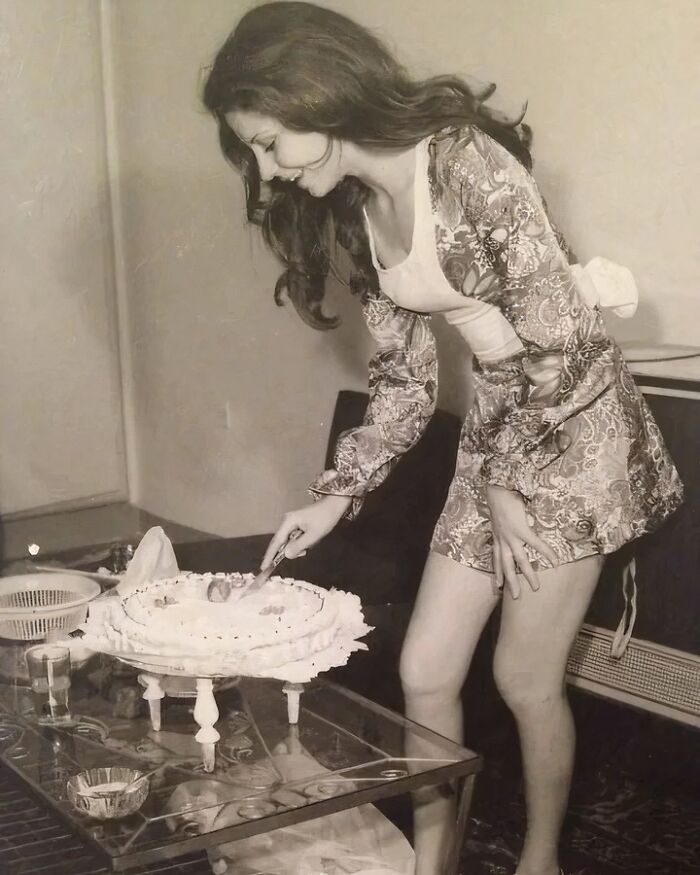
(350, 437)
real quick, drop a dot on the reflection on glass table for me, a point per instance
(267, 773)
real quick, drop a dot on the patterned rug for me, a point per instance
(634, 803)
(623, 829)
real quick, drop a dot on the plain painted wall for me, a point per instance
(60, 396)
(232, 396)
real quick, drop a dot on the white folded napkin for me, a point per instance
(604, 283)
(154, 559)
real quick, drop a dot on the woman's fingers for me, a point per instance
(497, 569)
(509, 562)
(510, 571)
(542, 547)
(280, 537)
(274, 545)
(299, 541)
(525, 567)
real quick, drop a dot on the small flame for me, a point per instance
(33, 549)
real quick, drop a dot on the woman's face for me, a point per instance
(310, 159)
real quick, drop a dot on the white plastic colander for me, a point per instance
(33, 605)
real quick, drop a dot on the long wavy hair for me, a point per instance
(313, 69)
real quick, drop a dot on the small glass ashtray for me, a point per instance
(99, 793)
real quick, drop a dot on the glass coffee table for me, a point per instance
(344, 751)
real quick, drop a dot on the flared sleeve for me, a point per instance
(511, 256)
(402, 395)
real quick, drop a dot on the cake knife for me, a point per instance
(263, 576)
(215, 593)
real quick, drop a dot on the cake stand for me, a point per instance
(154, 672)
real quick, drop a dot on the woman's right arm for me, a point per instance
(402, 395)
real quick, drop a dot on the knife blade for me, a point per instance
(261, 579)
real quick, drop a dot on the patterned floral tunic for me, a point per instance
(561, 422)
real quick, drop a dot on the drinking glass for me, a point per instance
(49, 673)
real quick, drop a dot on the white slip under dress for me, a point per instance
(417, 283)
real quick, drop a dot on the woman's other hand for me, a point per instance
(511, 532)
(314, 522)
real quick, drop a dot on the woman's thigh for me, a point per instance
(538, 628)
(453, 604)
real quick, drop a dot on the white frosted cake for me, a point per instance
(283, 622)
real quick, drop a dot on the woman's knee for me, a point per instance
(421, 677)
(525, 684)
(454, 602)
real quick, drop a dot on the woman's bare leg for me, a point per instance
(453, 604)
(537, 632)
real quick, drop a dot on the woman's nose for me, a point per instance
(267, 166)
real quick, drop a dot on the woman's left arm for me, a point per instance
(515, 261)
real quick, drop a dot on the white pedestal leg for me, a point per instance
(153, 694)
(206, 714)
(293, 740)
(293, 693)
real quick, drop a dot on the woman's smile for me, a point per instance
(308, 158)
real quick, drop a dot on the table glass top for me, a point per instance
(344, 751)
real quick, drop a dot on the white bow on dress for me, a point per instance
(604, 283)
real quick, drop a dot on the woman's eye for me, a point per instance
(270, 147)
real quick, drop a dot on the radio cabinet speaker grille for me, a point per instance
(652, 677)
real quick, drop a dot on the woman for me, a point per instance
(559, 462)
